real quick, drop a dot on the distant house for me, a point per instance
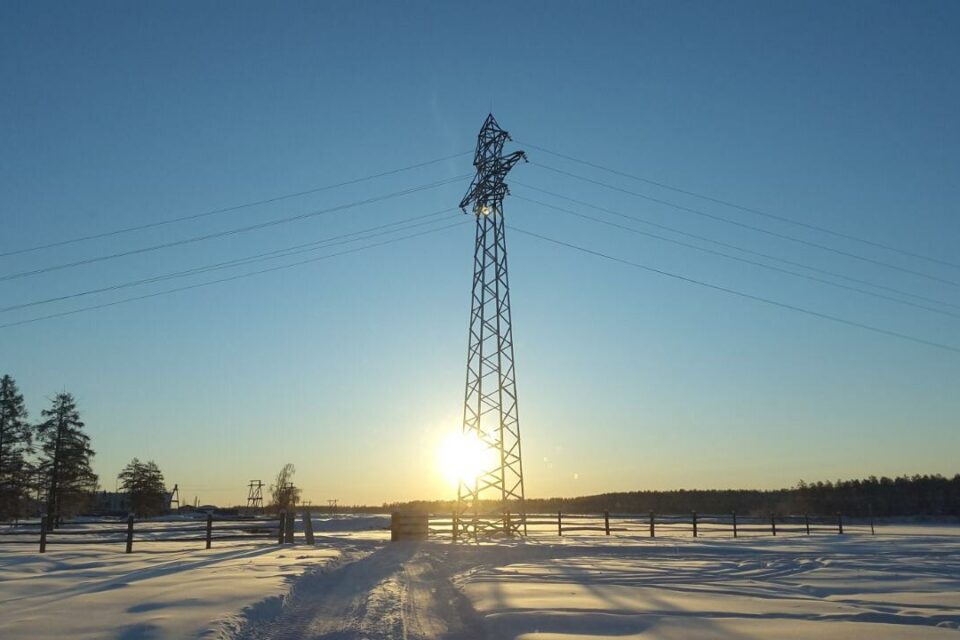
(117, 503)
(111, 503)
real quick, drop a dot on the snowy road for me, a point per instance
(396, 591)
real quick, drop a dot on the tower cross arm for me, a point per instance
(488, 188)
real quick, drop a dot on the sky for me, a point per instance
(839, 115)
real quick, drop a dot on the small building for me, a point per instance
(111, 503)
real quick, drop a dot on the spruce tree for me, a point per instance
(16, 440)
(143, 483)
(66, 456)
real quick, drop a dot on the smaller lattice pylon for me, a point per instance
(175, 497)
(255, 496)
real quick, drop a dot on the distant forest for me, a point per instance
(919, 495)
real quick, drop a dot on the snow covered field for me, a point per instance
(902, 583)
(888, 586)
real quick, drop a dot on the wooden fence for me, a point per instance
(132, 532)
(653, 525)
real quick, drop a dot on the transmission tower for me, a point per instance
(175, 497)
(491, 504)
(255, 496)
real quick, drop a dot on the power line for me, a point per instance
(260, 257)
(737, 258)
(212, 212)
(728, 245)
(229, 278)
(230, 232)
(741, 294)
(753, 210)
(747, 226)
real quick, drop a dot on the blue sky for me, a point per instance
(835, 114)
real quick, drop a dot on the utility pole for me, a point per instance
(492, 503)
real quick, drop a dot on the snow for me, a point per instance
(162, 590)
(902, 583)
(898, 584)
(350, 523)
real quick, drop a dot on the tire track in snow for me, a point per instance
(399, 592)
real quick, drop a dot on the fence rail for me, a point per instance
(653, 524)
(110, 532)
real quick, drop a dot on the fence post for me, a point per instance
(694, 524)
(280, 525)
(606, 522)
(734, 524)
(209, 529)
(288, 537)
(840, 524)
(43, 534)
(130, 533)
(559, 524)
(806, 521)
(773, 524)
(307, 526)
(652, 526)
(453, 526)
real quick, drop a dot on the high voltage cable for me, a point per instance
(230, 232)
(741, 207)
(245, 205)
(747, 226)
(749, 296)
(260, 257)
(737, 258)
(229, 278)
(728, 245)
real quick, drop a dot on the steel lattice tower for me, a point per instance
(255, 496)
(493, 503)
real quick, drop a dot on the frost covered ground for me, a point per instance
(902, 583)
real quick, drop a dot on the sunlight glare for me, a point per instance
(463, 457)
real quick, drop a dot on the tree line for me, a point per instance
(918, 495)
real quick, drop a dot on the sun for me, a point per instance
(463, 457)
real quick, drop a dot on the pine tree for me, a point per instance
(143, 483)
(16, 442)
(66, 458)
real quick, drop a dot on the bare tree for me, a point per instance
(285, 495)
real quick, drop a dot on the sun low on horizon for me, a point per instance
(462, 458)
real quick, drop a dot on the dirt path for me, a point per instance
(400, 591)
